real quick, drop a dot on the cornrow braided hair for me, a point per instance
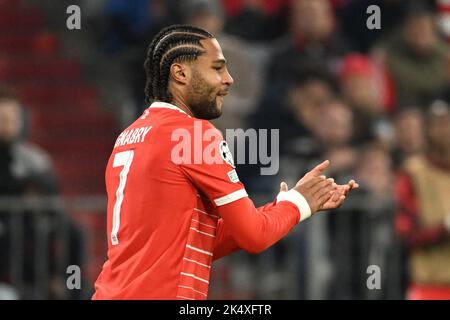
(176, 43)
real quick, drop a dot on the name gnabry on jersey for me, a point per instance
(132, 136)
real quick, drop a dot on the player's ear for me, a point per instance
(180, 73)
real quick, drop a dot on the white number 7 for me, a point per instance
(124, 159)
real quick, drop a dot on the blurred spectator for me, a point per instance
(244, 62)
(334, 130)
(423, 218)
(374, 172)
(312, 39)
(416, 57)
(21, 162)
(307, 94)
(409, 134)
(296, 116)
(26, 170)
(312, 42)
(364, 88)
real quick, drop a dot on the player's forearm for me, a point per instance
(254, 230)
(225, 243)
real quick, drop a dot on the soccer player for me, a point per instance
(175, 202)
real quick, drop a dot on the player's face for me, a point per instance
(209, 82)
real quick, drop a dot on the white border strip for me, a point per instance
(186, 287)
(204, 224)
(194, 276)
(198, 250)
(208, 214)
(299, 200)
(196, 262)
(231, 197)
(204, 233)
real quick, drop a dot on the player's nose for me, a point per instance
(228, 79)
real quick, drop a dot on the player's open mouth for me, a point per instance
(222, 93)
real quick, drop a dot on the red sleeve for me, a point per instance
(406, 223)
(254, 230)
(225, 243)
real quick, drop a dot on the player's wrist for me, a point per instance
(298, 200)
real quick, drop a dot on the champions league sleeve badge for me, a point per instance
(226, 154)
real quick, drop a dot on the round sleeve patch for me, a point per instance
(226, 154)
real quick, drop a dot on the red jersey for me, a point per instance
(166, 179)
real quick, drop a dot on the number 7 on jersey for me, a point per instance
(121, 159)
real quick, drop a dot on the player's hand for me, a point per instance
(314, 186)
(316, 191)
(284, 187)
(339, 195)
(316, 171)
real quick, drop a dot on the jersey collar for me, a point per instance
(160, 104)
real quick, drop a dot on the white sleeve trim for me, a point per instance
(298, 199)
(231, 197)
